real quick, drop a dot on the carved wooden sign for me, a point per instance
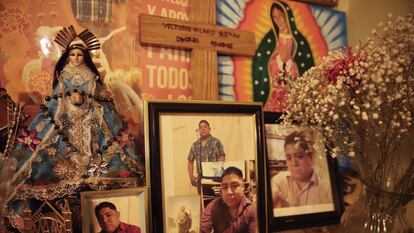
(161, 31)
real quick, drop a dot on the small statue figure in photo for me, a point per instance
(184, 221)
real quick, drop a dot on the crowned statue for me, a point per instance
(77, 137)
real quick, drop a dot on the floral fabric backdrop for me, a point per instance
(132, 72)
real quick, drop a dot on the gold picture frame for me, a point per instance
(131, 203)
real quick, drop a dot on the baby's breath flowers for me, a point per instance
(363, 102)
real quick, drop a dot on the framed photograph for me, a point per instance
(108, 210)
(301, 176)
(189, 145)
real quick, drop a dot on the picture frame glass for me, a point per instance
(178, 134)
(308, 202)
(126, 202)
(301, 177)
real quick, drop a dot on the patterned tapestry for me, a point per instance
(132, 72)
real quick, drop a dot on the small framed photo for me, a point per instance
(105, 211)
(194, 148)
(301, 176)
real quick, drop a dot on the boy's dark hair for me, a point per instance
(205, 122)
(102, 205)
(232, 170)
(297, 138)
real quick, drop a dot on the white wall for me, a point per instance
(364, 15)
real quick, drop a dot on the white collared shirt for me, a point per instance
(316, 191)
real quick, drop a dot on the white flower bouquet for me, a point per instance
(363, 102)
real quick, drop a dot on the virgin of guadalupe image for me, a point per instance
(77, 134)
(283, 53)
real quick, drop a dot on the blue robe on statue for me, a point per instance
(78, 134)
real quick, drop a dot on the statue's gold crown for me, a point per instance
(66, 35)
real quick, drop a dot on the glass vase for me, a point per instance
(377, 211)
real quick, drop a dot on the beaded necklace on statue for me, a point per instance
(78, 74)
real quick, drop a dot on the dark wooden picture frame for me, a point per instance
(299, 215)
(162, 155)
